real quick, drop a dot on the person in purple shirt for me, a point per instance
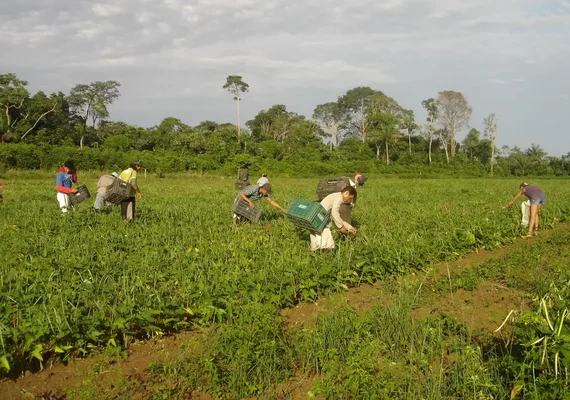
(537, 199)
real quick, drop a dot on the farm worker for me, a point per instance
(332, 203)
(65, 178)
(359, 178)
(263, 180)
(2, 199)
(103, 184)
(537, 199)
(244, 175)
(253, 193)
(130, 176)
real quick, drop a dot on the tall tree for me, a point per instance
(39, 106)
(20, 113)
(13, 94)
(236, 86)
(444, 138)
(329, 117)
(386, 119)
(490, 133)
(91, 101)
(431, 107)
(383, 131)
(409, 126)
(471, 141)
(355, 107)
(454, 114)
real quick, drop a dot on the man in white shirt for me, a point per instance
(332, 204)
(263, 180)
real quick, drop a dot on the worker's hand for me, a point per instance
(352, 230)
(284, 210)
(343, 230)
(139, 196)
(74, 190)
(251, 205)
(505, 207)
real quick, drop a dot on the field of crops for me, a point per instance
(69, 284)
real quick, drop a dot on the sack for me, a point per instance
(525, 211)
(118, 192)
(346, 212)
(361, 180)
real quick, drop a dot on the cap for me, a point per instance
(524, 184)
(115, 174)
(264, 175)
(267, 188)
(138, 162)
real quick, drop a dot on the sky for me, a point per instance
(172, 57)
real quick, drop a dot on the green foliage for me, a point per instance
(84, 280)
(360, 125)
(241, 358)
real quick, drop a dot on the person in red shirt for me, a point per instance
(64, 180)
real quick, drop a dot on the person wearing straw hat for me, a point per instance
(130, 176)
(537, 199)
(103, 184)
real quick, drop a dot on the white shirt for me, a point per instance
(332, 204)
(262, 181)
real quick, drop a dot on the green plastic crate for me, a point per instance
(308, 215)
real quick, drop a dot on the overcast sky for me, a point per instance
(510, 57)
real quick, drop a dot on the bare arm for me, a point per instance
(244, 198)
(520, 192)
(136, 188)
(341, 224)
(276, 205)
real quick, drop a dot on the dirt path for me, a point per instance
(479, 309)
(366, 296)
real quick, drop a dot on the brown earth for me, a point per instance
(484, 308)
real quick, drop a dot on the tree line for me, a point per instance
(363, 129)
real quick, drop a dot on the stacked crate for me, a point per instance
(308, 215)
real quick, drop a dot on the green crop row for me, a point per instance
(71, 284)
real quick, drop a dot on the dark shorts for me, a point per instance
(540, 200)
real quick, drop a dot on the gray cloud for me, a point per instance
(172, 56)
